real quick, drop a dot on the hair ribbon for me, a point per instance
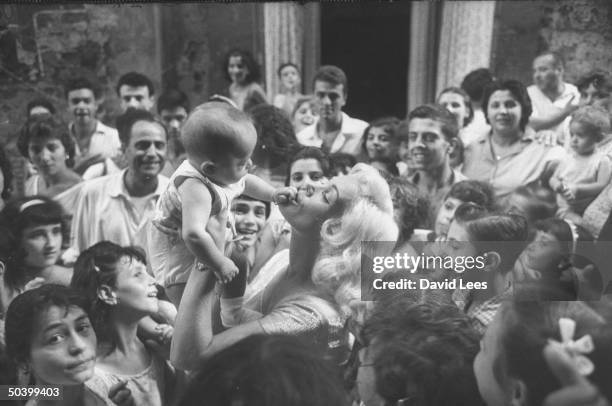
(576, 348)
(30, 203)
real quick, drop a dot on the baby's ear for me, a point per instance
(208, 167)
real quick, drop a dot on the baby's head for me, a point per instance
(510, 367)
(588, 126)
(219, 141)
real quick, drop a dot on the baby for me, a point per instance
(190, 227)
(579, 179)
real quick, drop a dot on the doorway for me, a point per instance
(370, 42)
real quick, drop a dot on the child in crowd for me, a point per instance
(511, 367)
(50, 337)
(465, 191)
(290, 81)
(380, 143)
(32, 231)
(304, 114)
(533, 201)
(121, 294)
(580, 178)
(193, 212)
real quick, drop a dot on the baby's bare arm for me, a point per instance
(196, 207)
(604, 173)
(258, 188)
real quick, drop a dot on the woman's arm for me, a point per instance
(194, 332)
(303, 250)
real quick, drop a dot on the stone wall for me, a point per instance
(581, 30)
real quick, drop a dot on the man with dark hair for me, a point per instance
(474, 84)
(334, 131)
(432, 136)
(135, 90)
(552, 99)
(117, 207)
(95, 141)
(173, 108)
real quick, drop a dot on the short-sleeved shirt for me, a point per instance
(543, 107)
(348, 140)
(525, 164)
(104, 141)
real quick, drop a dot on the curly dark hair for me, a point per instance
(44, 126)
(474, 191)
(309, 153)
(97, 266)
(424, 351)
(23, 312)
(247, 58)
(276, 139)
(18, 215)
(270, 370)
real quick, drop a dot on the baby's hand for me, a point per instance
(569, 193)
(227, 271)
(285, 195)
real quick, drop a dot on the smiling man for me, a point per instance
(95, 141)
(116, 207)
(334, 131)
(432, 136)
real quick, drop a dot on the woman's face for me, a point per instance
(135, 289)
(63, 349)
(304, 116)
(42, 245)
(455, 103)
(237, 70)
(290, 77)
(504, 112)
(250, 217)
(491, 391)
(446, 215)
(379, 144)
(315, 204)
(306, 172)
(48, 155)
(544, 252)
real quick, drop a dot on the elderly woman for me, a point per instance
(509, 156)
(320, 287)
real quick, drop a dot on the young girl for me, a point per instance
(587, 171)
(380, 144)
(121, 293)
(33, 230)
(304, 113)
(511, 367)
(243, 73)
(289, 75)
(50, 337)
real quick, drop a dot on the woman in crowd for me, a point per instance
(270, 370)
(320, 286)
(45, 141)
(241, 70)
(509, 156)
(32, 231)
(50, 337)
(380, 144)
(458, 102)
(121, 294)
(304, 114)
(290, 81)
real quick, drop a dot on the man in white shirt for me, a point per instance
(94, 140)
(117, 207)
(334, 131)
(552, 99)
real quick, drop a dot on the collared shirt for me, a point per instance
(105, 211)
(526, 163)
(436, 196)
(480, 314)
(348, 140)
(104, 141)
(544, 107)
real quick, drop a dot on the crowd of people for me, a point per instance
(214, 255)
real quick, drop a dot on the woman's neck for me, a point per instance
(506, 139)
(126, 340)
(60, 176)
